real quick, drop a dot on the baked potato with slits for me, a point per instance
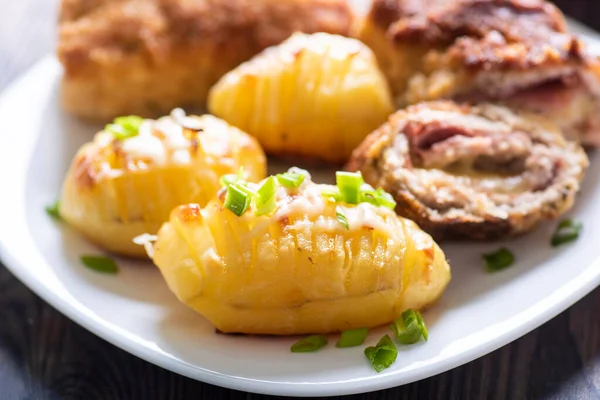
(314, 96)
(312, 265)
(118, 188)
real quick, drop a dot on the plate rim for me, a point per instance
(535, 316)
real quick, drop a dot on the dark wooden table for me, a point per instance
(43, 355)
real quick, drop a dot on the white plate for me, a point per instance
(135, 311)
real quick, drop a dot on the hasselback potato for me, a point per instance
(146, 57)
(472, 172)
(130, 177)
(314, 96)
(311, 263)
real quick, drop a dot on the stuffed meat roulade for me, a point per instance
(472, 172)
(520, 53)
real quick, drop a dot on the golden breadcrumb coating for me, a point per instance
(146, 57)
(487, 50)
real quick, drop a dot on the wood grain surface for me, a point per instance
(43, 355)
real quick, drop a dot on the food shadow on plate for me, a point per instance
(262, 351)
(137, 279)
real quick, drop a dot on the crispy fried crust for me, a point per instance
(477, 34)
(472, 172)
(485, 50)
(148, 56)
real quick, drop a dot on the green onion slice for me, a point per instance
(498, 260)
(409, 327)
(237, 200)
(228, 179)
(342, 220)
(100, 264)
(424, 329)
(125, 127)
(332, 194)
(291, 179)
(383, 355)
(385, 199)
(352, 189)
(309, 344)
(377, 197)
(349, 185)
(352, 337)
(567, 231)
(265, 199)
(53, 210)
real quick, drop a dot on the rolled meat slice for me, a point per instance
(472, 172)
(516, 52)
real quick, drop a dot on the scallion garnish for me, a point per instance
(125, 127)
(567, 231)
(424, 329)
(385, 199)
(100, 264)
(309, 344)
(291, 179)
(349, 185)
(228, 179)
(382, 355)
(342, 220)
(237, 200)
(351, 188)
(377, 197)
(332, 194)
(53, 210)
(352, 337)
(265, 199)
(498, 260)
(409, 327)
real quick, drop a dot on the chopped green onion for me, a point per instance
(265, 199)
(349, 185)
(498, 260)
(332, 194)
(243, 186)
(567, 231)
(352, 189)
(236, 199)
(53, 210)
(385, 199)
(352, 337)
(368, 194)
(377, 197)
(125, 127)
(309, 344)
(383, 355)
(409, 328)
(228, 179)
(100, 264)
(424, 329)
(342, 220)
(291, 179)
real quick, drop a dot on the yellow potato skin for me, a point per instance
(314, 96)
(136, 195)
(298, 272)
